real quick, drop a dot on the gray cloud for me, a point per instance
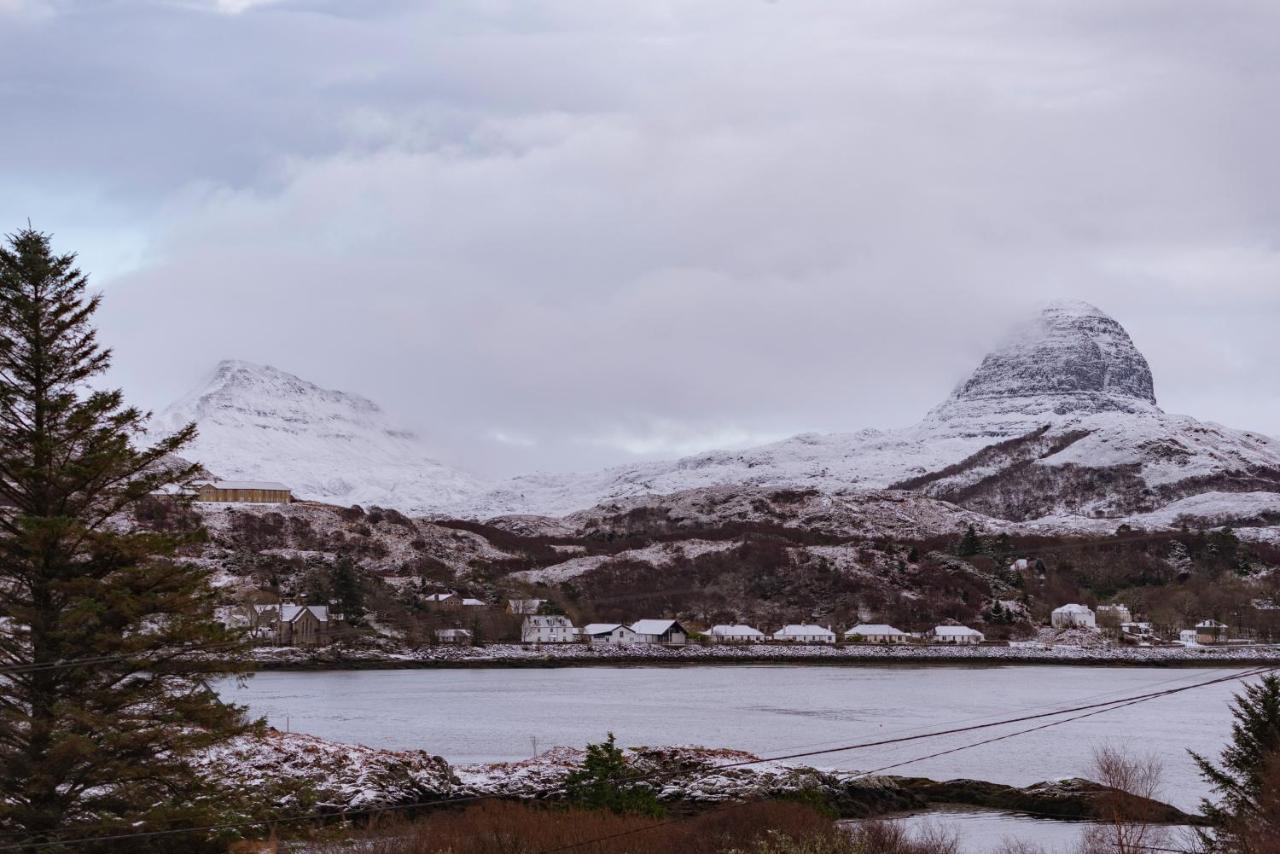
(564, 234)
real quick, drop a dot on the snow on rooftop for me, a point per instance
(250, 484)
(874, 629)
(652, 627)
(735, 631)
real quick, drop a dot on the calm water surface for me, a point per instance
(494, 714)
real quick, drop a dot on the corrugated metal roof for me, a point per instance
(250, 484)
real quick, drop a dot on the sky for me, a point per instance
(562, 234)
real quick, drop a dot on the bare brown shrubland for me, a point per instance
(766, 827)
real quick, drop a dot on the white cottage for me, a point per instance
(608, 633)
(804, 633)
(875, 633)
(735, 634)
(458, 637)
(1073, 617)
(955, 635)
(549, 629)
(660, 631)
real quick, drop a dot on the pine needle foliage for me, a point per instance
(606, 781)
(1247, 810)
(105, 640)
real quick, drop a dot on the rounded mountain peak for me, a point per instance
(1070, 349)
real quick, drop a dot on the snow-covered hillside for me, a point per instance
(260, 423)
(1069, 390)
(1059, 421)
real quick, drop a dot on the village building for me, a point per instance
(804, 633)
(524, 607)
(1187, 637)
(955, 635)
(660, 631)
(1136, 630)
(1073, 617)
(261, 619)
(441, 598)
(244, 492)
(550, 629)
(473, 603)
(1114, 615)
(456, 637)
(735, 634)
(875, 633)
(1210, 632)
(608, 633)
(303, 625)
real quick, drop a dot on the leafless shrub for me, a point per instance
(1127, 813)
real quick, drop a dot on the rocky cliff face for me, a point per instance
(1071, 360)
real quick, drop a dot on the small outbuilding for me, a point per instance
(804, 633)
(548, 629)
(244, 492)
(1073, 617)
(874, 633)
(955, 635)
(667, 632)
(456, 637)
(1209, 632)
(735, 634)
(608, 633)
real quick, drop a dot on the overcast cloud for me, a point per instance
(564, 234)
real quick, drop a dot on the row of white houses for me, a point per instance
(1073, 616)
(557, 629)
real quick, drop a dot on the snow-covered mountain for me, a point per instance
(1061, 420)
(1059, 423)
(259, 423)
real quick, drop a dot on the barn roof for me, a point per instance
(600, 628)
(264, 485)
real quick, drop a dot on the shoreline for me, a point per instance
(516, 655)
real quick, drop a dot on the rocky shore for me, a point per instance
(518, 655)
(305, 772)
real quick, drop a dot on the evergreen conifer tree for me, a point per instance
(344, 585)
(104, 639)
(970, 543)
(1247, 812)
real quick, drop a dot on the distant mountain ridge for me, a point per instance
(257, 422)
(1060, 422)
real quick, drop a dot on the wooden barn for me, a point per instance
(244, 492)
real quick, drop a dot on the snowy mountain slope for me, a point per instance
(260, 423)
(1069, 393)
(1060, 421)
